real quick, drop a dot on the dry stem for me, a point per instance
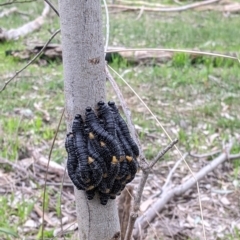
(166, 9)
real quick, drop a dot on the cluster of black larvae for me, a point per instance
(101, 153)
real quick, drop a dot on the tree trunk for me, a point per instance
(84, 85)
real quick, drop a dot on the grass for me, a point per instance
(194, 100)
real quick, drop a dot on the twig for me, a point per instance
(168, 193)
(137, 199)
(172, 50)
(27, 28)
(163, 152)
(49, 158)
(167, 9)
(8, 3)
(53, 8)
(234, 156)
(61, 190)
(8, 12)
(204, 155)
(169, 177)
(142, 3)
(140, 13)
(31, 61)
(128, 116)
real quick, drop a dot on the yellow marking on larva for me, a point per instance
(124, 182)
(114, 160)
(88, 180)
(128, 177)
(90, 187)
(129, 158)
(108, 190)
(91, 135)
(90, 160)
(105, 175)
(121, 158)
(103, 144)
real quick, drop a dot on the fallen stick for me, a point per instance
(13, 34)
(169, 192)
(168, 9)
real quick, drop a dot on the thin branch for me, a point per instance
(8, 3)
(234, 156)
(49, 158)
(142, 3)
(31, 61)
(61, 190)
(140, 13)
(163, 152)
(53, 8)
(169, 193)
(13, 34)
(167, 9)
(206, 155)
(169, 177)
(137, 200)
(172, 50)
(7, 12)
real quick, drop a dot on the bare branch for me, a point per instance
(166, 9)
(169, 177)
(142, 3)
(169, 193)
(27, 28)
(7, 12)
(132, 52)
(14, 1)
(234, 156)
(49, 158)
(31, 61)
(163, 152)
(53, 8)
(206, 155)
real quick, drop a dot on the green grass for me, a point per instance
(13, 213)
(194, 99)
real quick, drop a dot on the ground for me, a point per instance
(195, 99)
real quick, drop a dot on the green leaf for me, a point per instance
(8, 231)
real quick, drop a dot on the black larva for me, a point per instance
(101, 153)
(124, 129)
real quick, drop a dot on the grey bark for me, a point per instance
(84, 85)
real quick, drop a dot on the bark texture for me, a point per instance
(84, 84)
